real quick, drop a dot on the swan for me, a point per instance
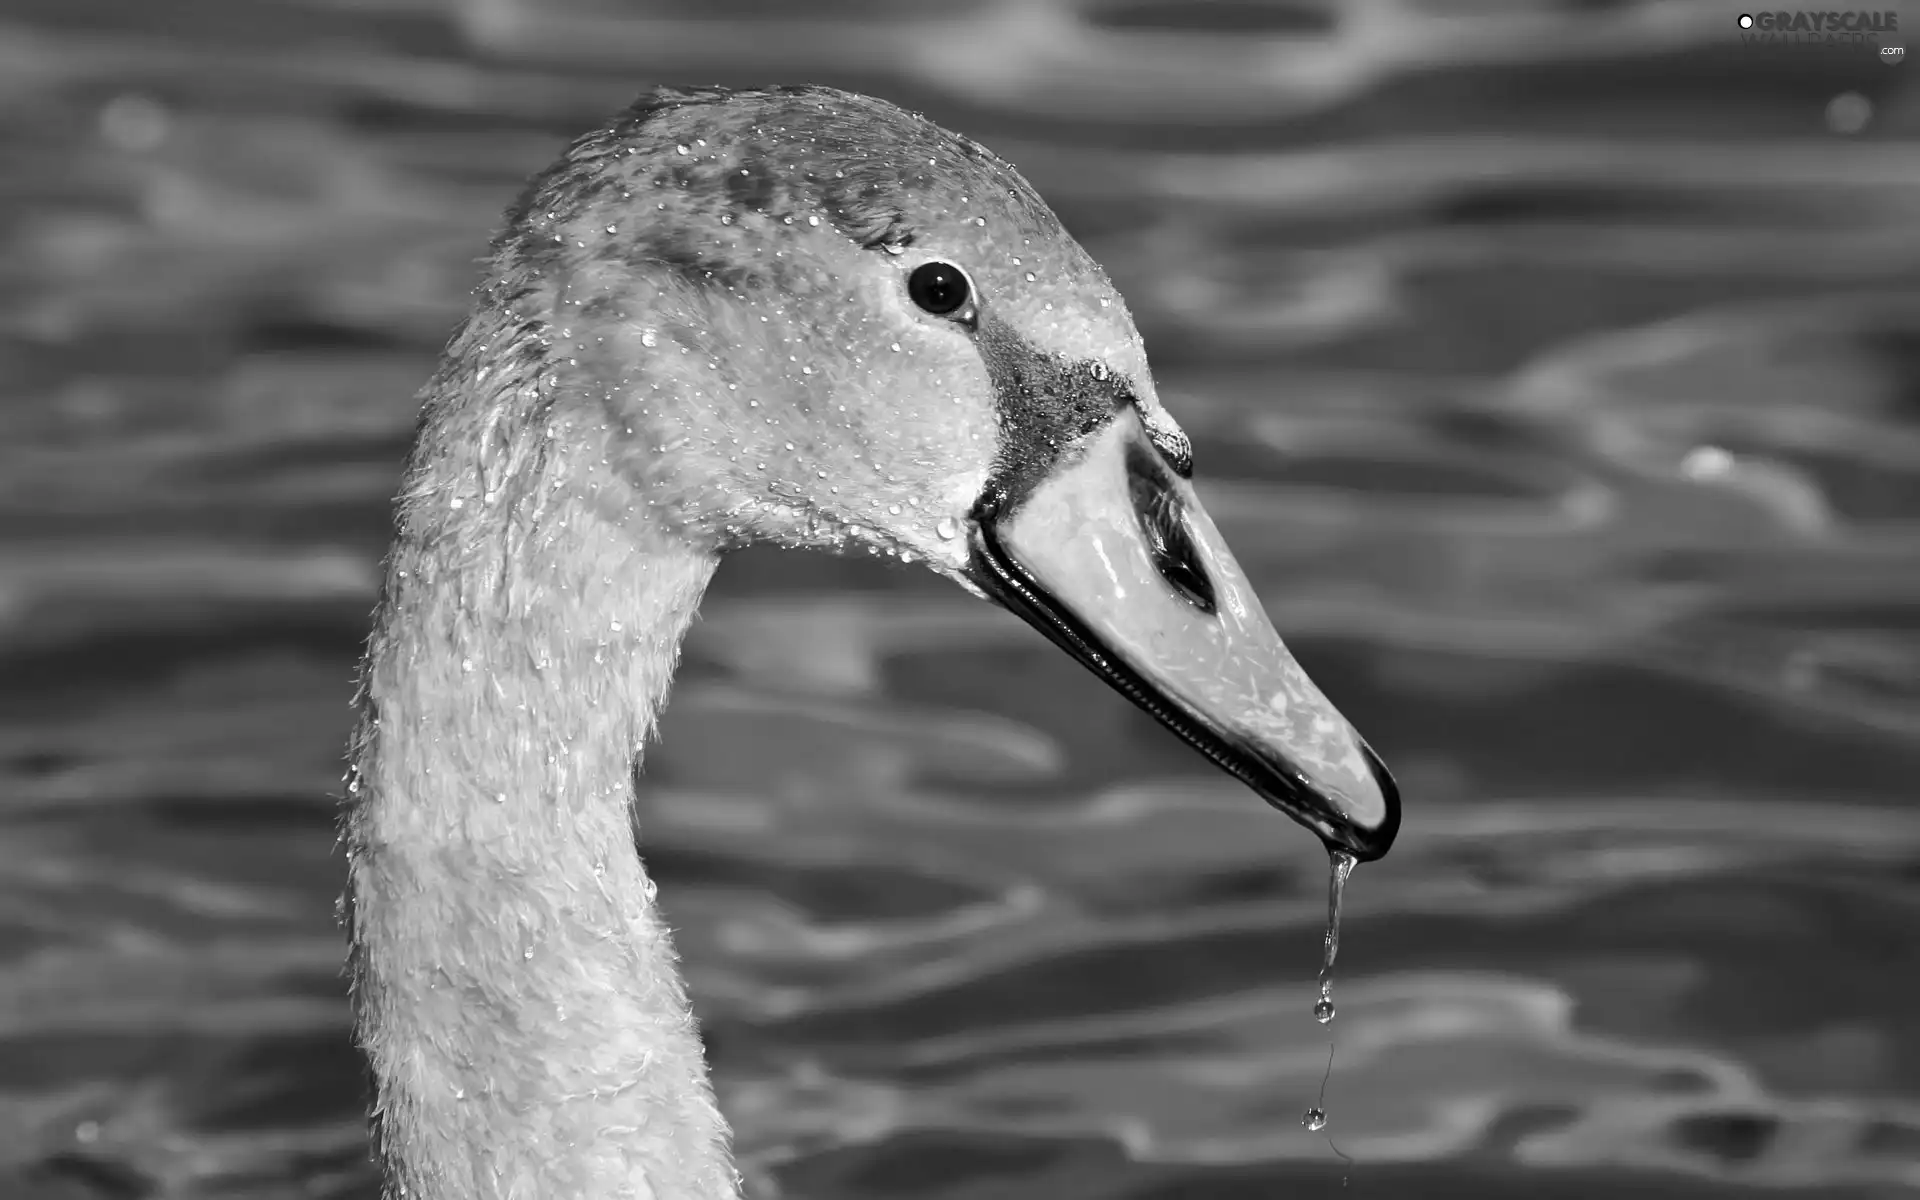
(793, 315)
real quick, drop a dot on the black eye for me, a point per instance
(940, 288)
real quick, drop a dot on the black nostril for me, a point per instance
(1163, 520)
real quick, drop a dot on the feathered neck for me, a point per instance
(516, 990)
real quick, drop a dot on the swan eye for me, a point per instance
(940, 288)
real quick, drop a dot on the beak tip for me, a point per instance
(1368, 843)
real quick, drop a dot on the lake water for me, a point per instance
(1554, 370)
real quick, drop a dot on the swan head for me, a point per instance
(808, 317)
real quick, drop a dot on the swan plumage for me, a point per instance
(724, 318)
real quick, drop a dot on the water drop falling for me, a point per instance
(1341, 864)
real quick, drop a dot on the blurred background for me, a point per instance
(1554, 369)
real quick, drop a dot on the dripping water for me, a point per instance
(1340, 865)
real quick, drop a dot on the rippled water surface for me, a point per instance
(1554, 371)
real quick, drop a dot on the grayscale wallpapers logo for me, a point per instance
(1854, 30)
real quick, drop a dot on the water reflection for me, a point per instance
(1550, 370)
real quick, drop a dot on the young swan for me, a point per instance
(798, 316)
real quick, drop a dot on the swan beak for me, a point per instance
(1111, 556)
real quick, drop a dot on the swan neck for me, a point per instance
(516, 989)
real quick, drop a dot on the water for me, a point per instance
(1447, 299)
(1340, 866)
